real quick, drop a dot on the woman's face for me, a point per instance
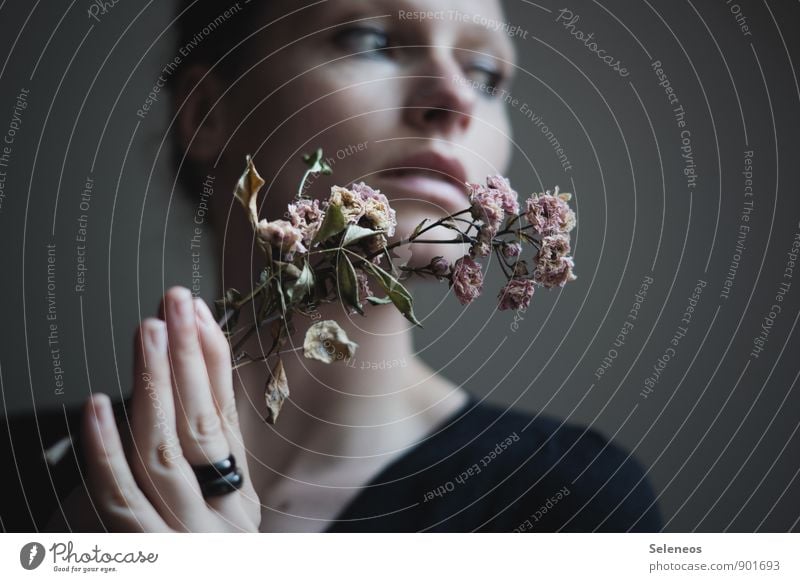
(399, 101)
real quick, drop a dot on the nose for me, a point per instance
(439, 101)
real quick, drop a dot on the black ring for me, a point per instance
(224, 484)
(214, 470)
(219, 478)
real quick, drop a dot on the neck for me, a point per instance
(382, 400)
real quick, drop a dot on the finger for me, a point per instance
(156, 456)
(199, 425)
(217, 354)
(114, 490)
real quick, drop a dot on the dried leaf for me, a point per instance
(333, 223)
(276, 393)
(281, 296)
(356, 233)
(327, 342)
(287, 271)
(395, 290)
(418, 228)
(348, 284)
(317, 163)
(247, 189)
(379, 300)
(302, 286)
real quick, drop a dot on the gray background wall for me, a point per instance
(719, 430)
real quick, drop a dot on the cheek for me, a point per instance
(345, 100)
(490, 143)
(323, 109)
(341, 113)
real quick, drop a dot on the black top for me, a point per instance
(485, 468)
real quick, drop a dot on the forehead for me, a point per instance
(490, 8)
(471, 18)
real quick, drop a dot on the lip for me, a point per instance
(429, 174)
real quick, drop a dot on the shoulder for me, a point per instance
(552, 475)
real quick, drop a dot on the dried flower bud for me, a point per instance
(439, 266)
(480, 249)
(511, 250)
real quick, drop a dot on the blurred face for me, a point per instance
(401, 102)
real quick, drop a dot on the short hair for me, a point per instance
(204, 31)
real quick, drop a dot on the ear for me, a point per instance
(201, 121)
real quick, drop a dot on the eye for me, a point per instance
(362, 39)
(486, 78)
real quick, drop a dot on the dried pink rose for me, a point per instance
(505, 194)
(489, 204)
(351, 203)
(553, 266)
(281, 235)
(549, 213)
(553, 247)
(378, 214)
(515, 294)
(556, 273)
(466, 279)
(485, 206)
(306, 215)
(481, 248)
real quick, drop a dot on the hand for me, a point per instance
(182, 413)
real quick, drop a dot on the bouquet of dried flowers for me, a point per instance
(334, 251)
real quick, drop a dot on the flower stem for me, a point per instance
(413, 239)
(299, 194)
(502, 261)
(510, 230)
(464, 239)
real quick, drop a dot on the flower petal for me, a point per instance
(327, 342)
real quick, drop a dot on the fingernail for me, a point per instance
(182, 305)
(155, 335)
(101, 405)
(203, 312)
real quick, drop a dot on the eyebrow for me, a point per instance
(506, 46)
(388, 9)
